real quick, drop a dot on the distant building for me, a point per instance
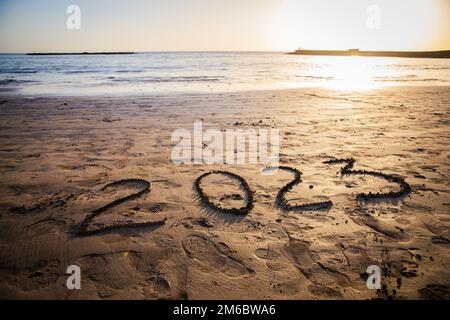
(353, 52)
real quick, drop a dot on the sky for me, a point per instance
(224, 25)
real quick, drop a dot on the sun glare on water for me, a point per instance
(351, 73)
(354, 73)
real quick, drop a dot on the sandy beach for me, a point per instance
(57, 153)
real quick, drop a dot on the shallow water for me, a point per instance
(202, 72)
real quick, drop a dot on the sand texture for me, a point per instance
(89, 181)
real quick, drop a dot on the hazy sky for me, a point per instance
(159, 25)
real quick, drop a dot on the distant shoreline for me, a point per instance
(445, 54)
(72, 53)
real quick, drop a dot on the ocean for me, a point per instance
(204, 72)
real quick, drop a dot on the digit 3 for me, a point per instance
(405, 188)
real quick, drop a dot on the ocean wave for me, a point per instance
(409, 80)
(18, 71)
(168, 79)
(6, 82)
(316, 77)
(203, 72)
(433, 68)
(81, 71)
(417, 67)
(129, 71)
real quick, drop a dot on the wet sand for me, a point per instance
(57, 154)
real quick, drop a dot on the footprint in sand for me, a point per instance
(271, 255)
(320, 275)
(274, 231)
(115, 272)
(267, 253)
(383, 228)
(56, 200)
(43, 276)
(211, 256)
(435, 292)
(402, 262)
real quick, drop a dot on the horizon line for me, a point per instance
(207, 51)
(150, 51)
